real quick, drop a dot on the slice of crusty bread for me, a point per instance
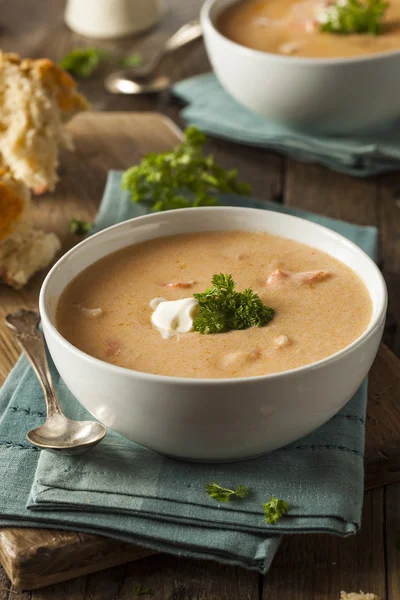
(14, 201)
(24, 250)
(36, 99)
(357, 596)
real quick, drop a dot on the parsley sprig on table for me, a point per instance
(222, 308)
(182, 177)
(353, 16)
(83, 62)
(221, 494)
(141, 590)
(274, 509)
(79, 227)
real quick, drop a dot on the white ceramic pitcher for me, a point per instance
(112, 18)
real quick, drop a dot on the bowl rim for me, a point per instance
(206, 21)
(374, 325)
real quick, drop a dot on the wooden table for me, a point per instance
(306, 567)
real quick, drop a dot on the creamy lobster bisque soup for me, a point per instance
(291, 27)
(320, 304)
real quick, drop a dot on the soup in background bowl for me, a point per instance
(331, 84)
(291, 27)
(222, 415)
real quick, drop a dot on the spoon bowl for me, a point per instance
(124, 82)
(58, 433)
(67, 436)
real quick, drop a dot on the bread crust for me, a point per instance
(37, 98)
(24, 250)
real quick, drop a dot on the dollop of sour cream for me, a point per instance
(174, 316)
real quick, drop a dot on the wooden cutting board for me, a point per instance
(34, 558)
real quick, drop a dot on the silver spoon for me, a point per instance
(140, 80)
(58, 434)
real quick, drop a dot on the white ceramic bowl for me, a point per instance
(338, 96)
(211, 419)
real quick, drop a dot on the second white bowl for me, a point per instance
(336, 96)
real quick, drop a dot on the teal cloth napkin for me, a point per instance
(122, 490)
(215, 112)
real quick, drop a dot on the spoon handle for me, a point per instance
(24, 325)
(187, 33)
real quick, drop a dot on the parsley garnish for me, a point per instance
(353, 16)
(133, 60)
(82, 62)
(140, 590)
(182, 177)
(221, 494)
(79, 227)
(222, 309)
(274, 509)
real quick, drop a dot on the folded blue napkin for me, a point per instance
(215, 112)
(122, 490)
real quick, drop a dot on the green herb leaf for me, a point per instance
(353, 16)
(79, 227)
(140, 590)
(274, 509)
(221, 494)
(133, 60)
(222, 309)
(82, 62)
(181, 178)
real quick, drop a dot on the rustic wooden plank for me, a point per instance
(392, 529)
(317, 189)
(5, 585)
(171, 577)
(70, 590)
(318, 567)
(389, 216)
(382, 444)
(107, 584)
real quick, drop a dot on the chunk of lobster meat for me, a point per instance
(306, 26)
(282, 341)
(289, 48)
(179, 284)
(311, 277)
(278, 277)
(113, 348)
(238, 359)
(90, 313)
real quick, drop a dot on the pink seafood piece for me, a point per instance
(179, 284)
(113, 348)
(303, 16)
(276, 277)
(306, 26)
(238, 359)
(40, 189)
(309, 277)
